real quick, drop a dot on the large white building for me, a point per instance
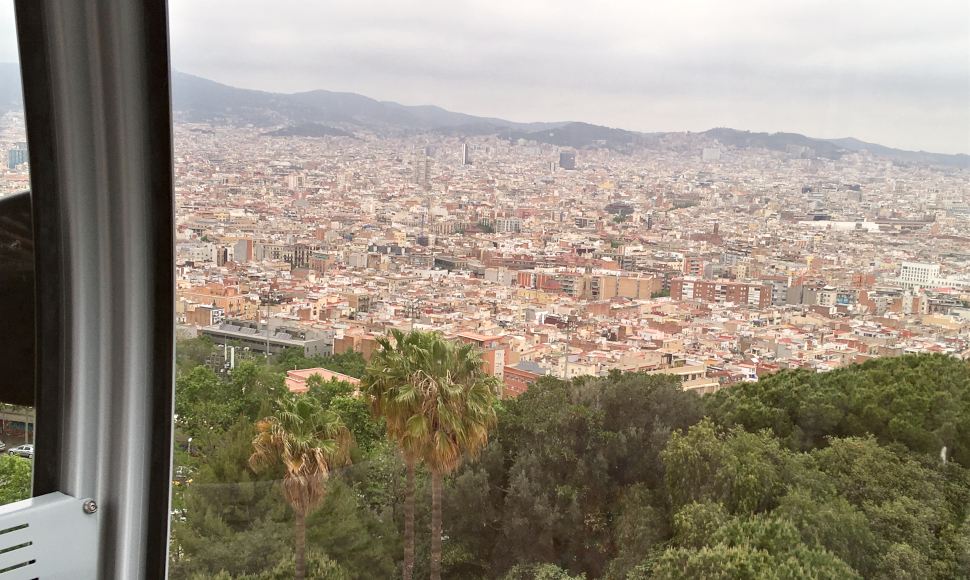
(916, 276)
(919, 275)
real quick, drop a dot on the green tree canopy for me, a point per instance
(15, 473)
(308, 441)
(919, 401)
(800, 475)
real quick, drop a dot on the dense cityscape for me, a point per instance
(692, 355)
(716, 263)
(440, 290)
(726, 263)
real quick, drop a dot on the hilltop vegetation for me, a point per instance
(800, 475)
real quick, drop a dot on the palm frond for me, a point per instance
(308, 441)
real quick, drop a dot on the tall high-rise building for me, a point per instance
(466, 158)
(567, 159)
(295, 181)
(17, 155)
(422, 168)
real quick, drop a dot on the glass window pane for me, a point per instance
(16, 277)
(597, 291)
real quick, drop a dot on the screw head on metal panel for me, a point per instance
(89, 506)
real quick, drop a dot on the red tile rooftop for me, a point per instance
(296, 379)
(477, 337)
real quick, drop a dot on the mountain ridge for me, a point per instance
(322, 112)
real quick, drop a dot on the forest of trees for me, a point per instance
(800, 475)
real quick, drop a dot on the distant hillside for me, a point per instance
(852, 144)
(444, 120)
(774, 141)
(308, 130)
(321, 113)
(830, 148)
(581, 135)
(201, 99)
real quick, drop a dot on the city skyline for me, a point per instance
(487, 291)
(879, 73)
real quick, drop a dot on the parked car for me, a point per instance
(23, 451)
(2, 445)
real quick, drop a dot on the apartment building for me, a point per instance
(721, 291)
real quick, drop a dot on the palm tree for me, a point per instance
(457, 400)
(309, 441)
(389, 383)
(438, 404)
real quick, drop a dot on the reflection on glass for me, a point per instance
(670, 320)
(16, 279)
(291, 471)
(15, 168)
(16, 431)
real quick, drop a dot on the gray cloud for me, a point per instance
(897, 73)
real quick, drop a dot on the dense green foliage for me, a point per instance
(800, 475)
(202, 350)
(226, 510)
(14, 478)
(920, 402)
(206, 402)
(308, 441)
(569, 452)
(349, 363)
(353, 410)
(438, 405)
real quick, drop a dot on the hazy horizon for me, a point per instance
(516, 120)
(880, 73)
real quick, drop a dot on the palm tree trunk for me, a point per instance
(300, 546)
(436, 480)
(409, 522)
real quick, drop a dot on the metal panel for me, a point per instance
(51, 536)
(97, 107)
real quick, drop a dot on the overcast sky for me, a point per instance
(889, 71)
